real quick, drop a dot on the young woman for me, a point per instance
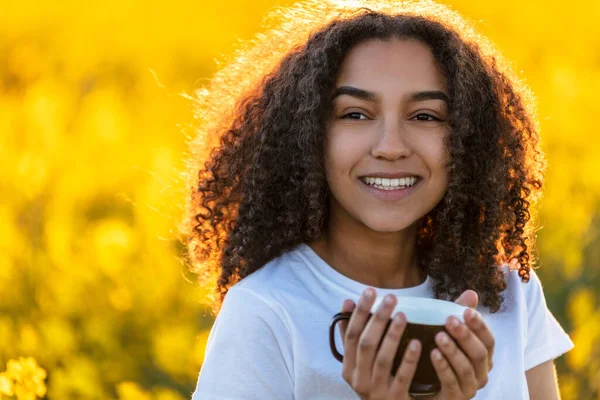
(368, 150)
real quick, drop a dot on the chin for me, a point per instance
(388, 224)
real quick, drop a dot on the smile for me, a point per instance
(390, 184)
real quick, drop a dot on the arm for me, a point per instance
(542, 382)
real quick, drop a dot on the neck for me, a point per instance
(379, 259)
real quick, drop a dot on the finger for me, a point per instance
(353, 331)
(476, 323)
(347, 306)
(406, 371)
(472, 347)
(468, 298)
(370, 339)
(448, 380)
(462, 366)
(382, 368)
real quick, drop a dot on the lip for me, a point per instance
(390, 195)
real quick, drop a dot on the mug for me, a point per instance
(425, 318)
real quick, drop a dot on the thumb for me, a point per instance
(468, 298)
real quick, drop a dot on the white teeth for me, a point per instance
(390, 184)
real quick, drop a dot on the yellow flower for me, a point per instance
(28, 378)
(6, 385)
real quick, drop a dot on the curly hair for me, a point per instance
(260, 139)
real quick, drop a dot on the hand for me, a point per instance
(463, 371)
(366, 368)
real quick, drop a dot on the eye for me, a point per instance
(425, 117)
(353, 115)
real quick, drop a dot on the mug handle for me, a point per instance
(336, 318)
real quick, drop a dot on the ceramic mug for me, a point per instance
(425, 318)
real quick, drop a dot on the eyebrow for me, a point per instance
(374, 97)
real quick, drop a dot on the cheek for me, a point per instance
(343, 152)
(434, 153)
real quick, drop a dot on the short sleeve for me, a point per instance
(247, 352)
(546, 339)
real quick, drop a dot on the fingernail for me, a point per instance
(368, 293)
(437, 355)
(413, 345)
(443, 338)
(453, 322)
(471, 314)
(388, 300)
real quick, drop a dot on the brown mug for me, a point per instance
(425, 318)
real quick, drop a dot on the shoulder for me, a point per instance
(279, 274)
(519, 297)
(247, 311)
(268, 287)
(274, 272)
(525, 295)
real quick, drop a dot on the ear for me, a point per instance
(468, 298)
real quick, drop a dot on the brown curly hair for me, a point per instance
(262, 123)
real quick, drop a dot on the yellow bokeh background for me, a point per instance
(94, 121)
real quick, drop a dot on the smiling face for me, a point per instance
(385, 157)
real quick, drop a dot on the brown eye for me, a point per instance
(353, 115)
(425, 117)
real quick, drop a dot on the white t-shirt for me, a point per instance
(271, 337)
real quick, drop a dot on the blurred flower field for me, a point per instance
(95, 301)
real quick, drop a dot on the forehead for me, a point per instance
(388, 66)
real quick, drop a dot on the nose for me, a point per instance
(392, 142)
